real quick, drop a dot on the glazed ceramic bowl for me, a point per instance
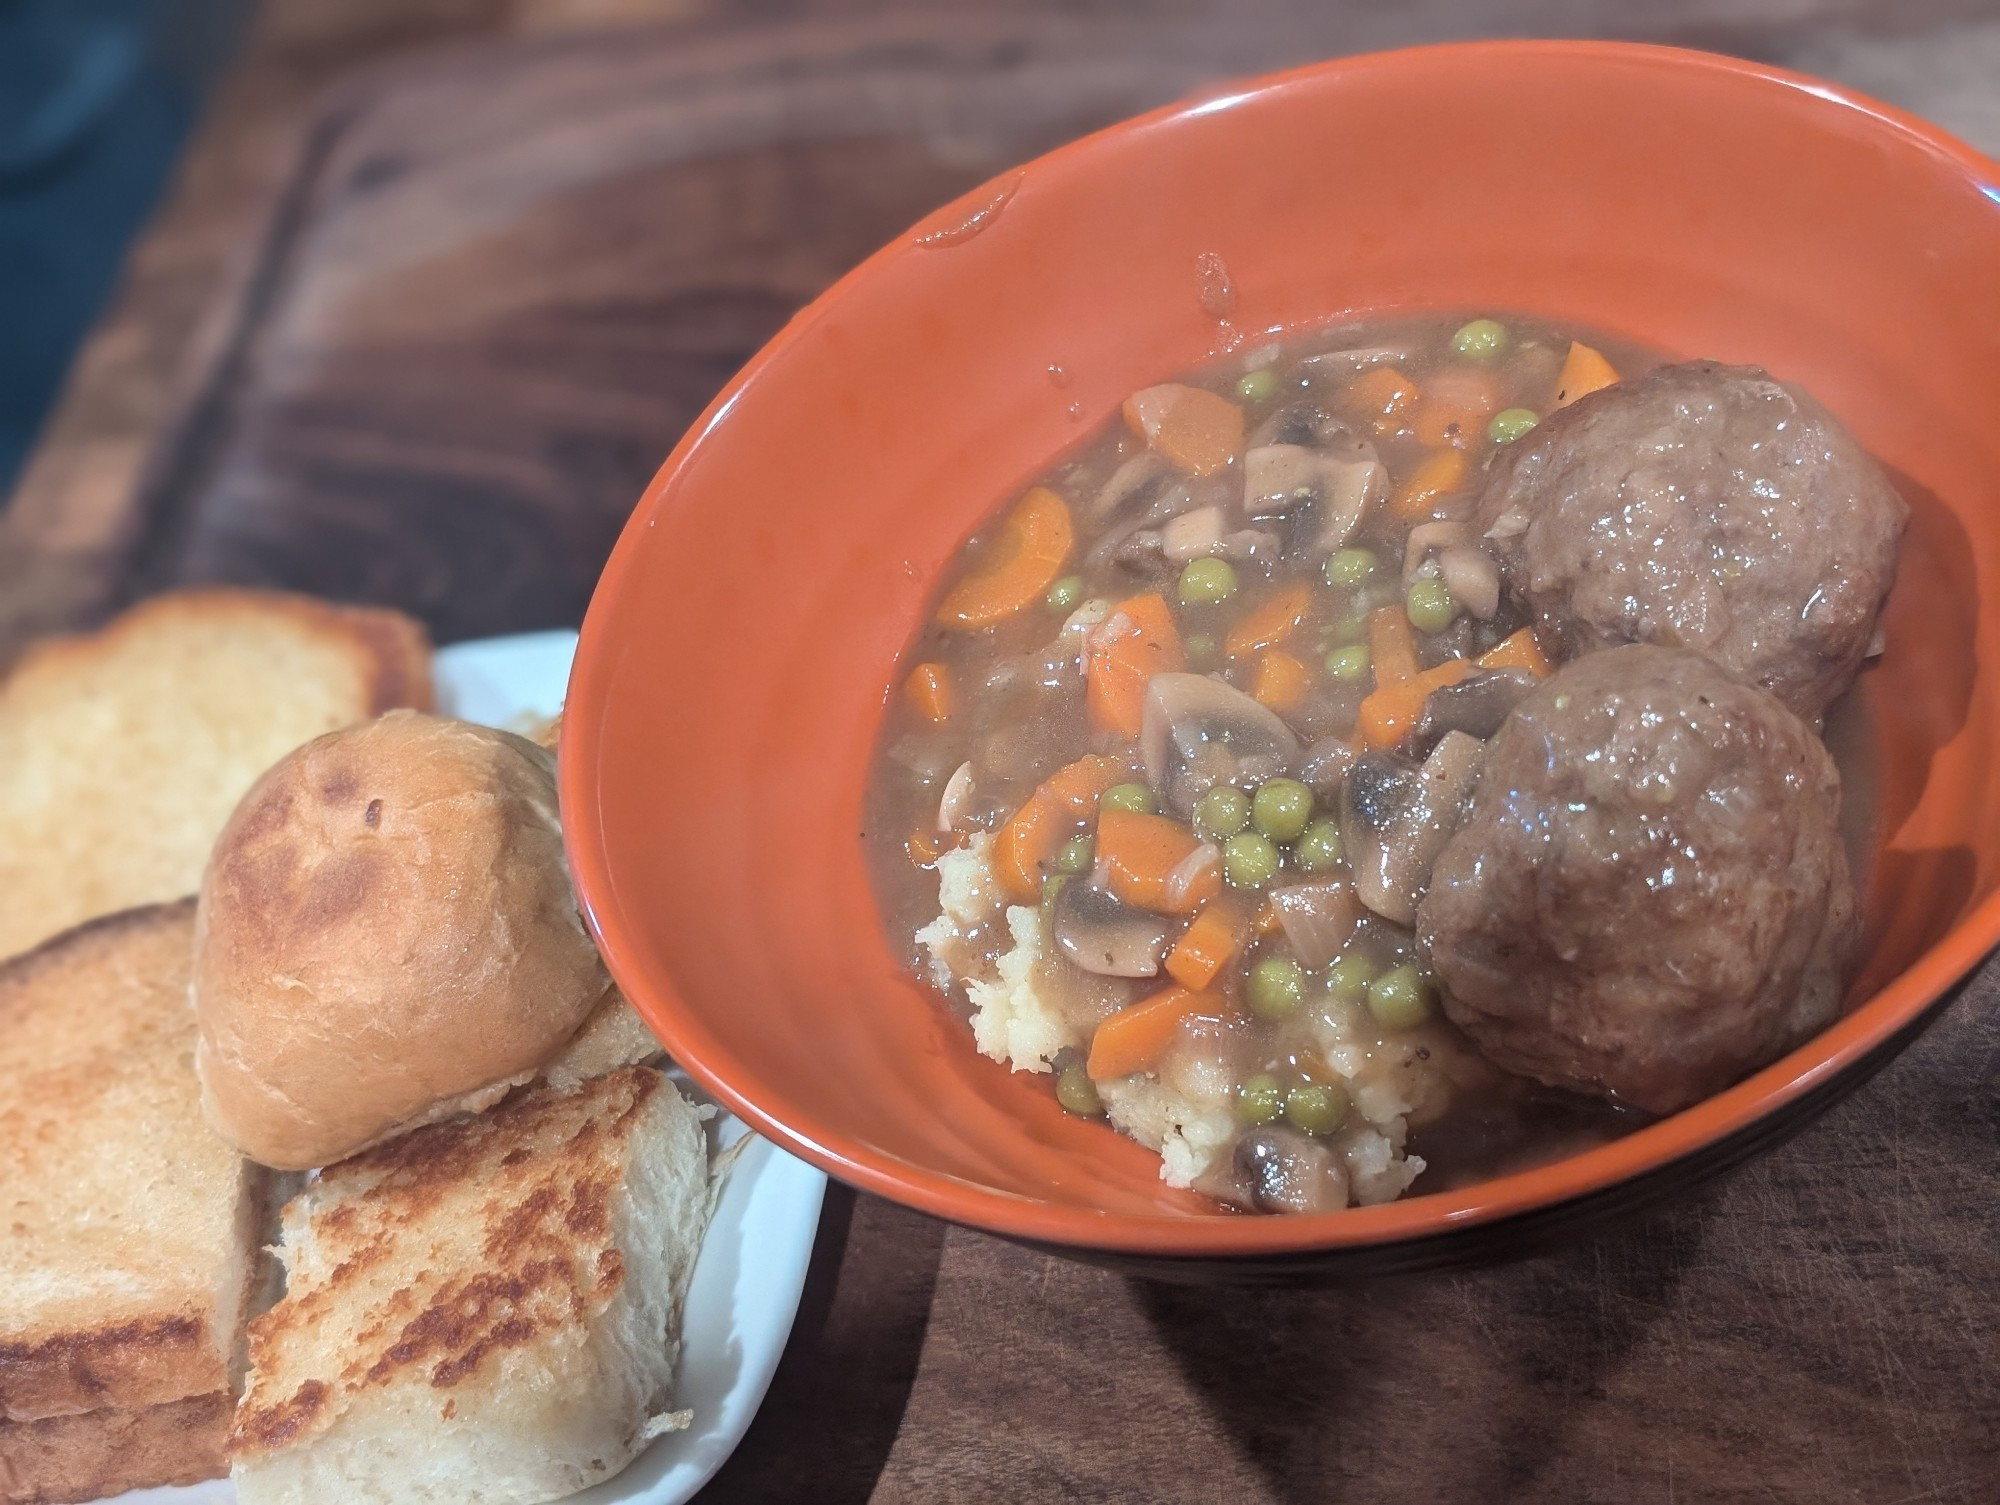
(736, 658)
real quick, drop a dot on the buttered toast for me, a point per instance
(128, 1232)
(482, 1312)
(123, 751)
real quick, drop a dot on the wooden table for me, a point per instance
(421, 339)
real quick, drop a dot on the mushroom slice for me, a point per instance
(1277, 477)
(1395, 817)
(1284, 1171)
(1350, 487)
(1325, 765)
(1192, 534)
(1318, 919)
(1475, 706)
(956, 804)
(1102, 934)
(1197, 732)
(1124, 483)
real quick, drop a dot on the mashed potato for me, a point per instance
(1185, 1113)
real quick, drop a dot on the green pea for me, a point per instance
(1348, 978)
(1221, 813)
(1052, 887)
(1207, 582)
(1277, 987)
(1430, 605)
(1318, 848)
(1078, 1093)
(1065, 593)
(1257, 386)
(1316, 1109)
(1249, 860)
(1481, 339)
(1260, 1099)
(1349, 665)
(1134, 797)
(1400, 998)
(1510, 424)
(1280, 808)
(1076, 855)
(1200, 647)
(1350, 566)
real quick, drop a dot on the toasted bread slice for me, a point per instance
(128, 1231)
(109, 1451)
(482, 1311)
(122, 752)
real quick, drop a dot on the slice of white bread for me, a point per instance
(482, 1312)
(123, 751)
(113, 1449)
(128, 1231)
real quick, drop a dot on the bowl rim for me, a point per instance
(1843, 1046)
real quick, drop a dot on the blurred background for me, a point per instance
(404, 300)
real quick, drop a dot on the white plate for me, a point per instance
(753, 1262)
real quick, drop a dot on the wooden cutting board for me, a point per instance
(501, 283)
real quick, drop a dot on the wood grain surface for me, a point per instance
(497, 283)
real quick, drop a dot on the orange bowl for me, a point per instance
(736, 659)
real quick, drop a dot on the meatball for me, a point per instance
(1648, 897)
(1706, 507)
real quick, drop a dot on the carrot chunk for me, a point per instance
(1190, 427)
(1383, 395)
(1583, 371)
(1120, 658)
(1142, 855)
(1441, 473)
(932, 692)
(1206, 946)
(1270, 622)
(1392, 644)
(1017, 571)
(1388, 714)
(1280, 682)
(1520, 651)
(1047, 818)
(1134, 1038)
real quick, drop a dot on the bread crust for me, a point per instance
(108, 1451)
(92, 1028)
(386, 933)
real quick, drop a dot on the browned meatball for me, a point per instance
(1648, 897)
(1705, 507)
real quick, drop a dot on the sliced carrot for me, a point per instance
(1270, 622)
(1140, 854)
(1134, 1038)
(1457, 402)
(932, 692)
(1049, 817)
(1583, 371)
(1392, 644)
(1383, 395)
(1017, 571)
(1280, 682)
(1520, 651)
(1206, 946)
(1190, 427)
(925, 846)
(1441, 473)
(1388, 714)
(1120, 659)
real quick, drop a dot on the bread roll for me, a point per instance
(386, 935)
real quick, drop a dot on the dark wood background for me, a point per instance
(439, 286)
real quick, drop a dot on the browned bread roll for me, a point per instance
(387, 935)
